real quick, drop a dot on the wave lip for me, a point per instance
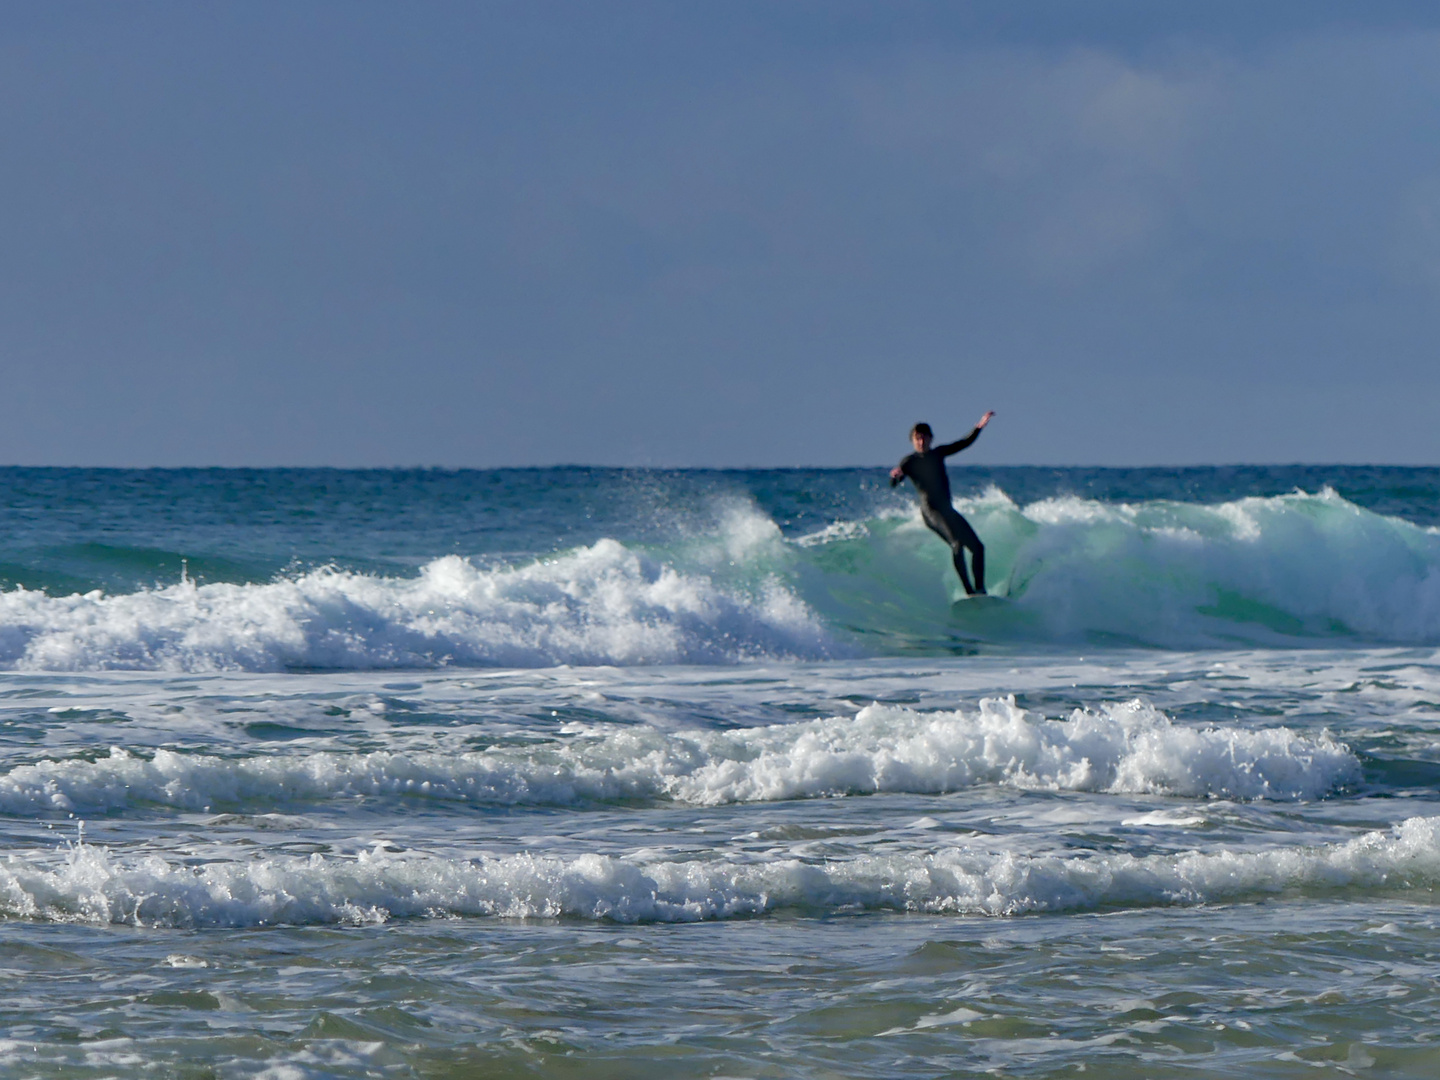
(1130, 748)
(604, 604)
(95, 887)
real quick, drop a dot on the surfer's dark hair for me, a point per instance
(922, 428)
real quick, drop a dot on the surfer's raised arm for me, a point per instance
(961, 444)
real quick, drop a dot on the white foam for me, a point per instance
(603, 604)
(1129, 748)
(835, 531)
(92, 885)
(1166, 819)
(961, 1015)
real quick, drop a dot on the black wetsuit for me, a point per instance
(927, 472)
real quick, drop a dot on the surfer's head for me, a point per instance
(920, 436)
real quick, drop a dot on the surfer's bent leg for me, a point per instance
(965, 537)
(956, 531)
(977, 563)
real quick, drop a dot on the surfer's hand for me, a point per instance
(984, 419)
(895, 474)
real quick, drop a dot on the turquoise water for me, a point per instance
(606, 772)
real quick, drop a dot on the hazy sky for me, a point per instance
(722, 233)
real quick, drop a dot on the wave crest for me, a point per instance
(1131, 748)
(96, 887)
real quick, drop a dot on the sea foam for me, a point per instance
(603, 604)
(92, 885)
(1129, 748)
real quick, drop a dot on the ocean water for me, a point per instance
(588, 772)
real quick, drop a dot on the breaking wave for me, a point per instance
(603, 604)
(1130, 748)
(1289, 570)
(91, 885)
(1295, 569)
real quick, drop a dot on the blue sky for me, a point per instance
(718, 233)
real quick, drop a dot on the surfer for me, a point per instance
(926, 470)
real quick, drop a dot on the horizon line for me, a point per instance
(711, 468)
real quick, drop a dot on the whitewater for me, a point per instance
(625, 772)
(1279, 570)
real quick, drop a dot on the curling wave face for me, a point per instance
(91, 885)
(1288, 570)
(1130, 748)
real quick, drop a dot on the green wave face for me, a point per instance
(1294, 569)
